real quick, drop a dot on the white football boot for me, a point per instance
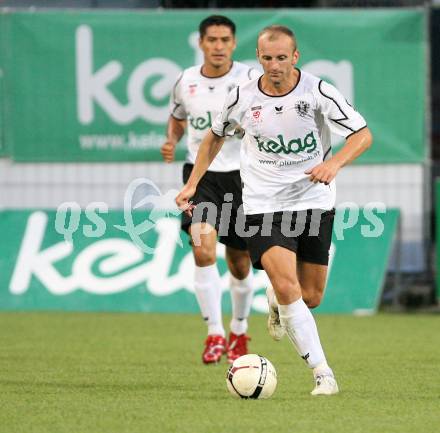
(276, 331)
(325, 385)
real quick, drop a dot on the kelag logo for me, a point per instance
(101, 266)
(112, 76)
(109, 263)
(296, 145)
(93, 86)
(95, 263)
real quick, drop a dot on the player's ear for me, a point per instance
(257, 53)
(295, 57)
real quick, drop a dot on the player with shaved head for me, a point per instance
(288, 171)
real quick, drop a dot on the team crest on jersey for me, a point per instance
(302, 108)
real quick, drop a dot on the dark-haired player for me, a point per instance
(197, 99)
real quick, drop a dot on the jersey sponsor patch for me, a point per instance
(201, 122)
(192, 89)
(296, 145)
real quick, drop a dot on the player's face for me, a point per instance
(217, 44)
(277, 57)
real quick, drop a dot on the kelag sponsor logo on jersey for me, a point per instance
(307, 144)
(201, 123)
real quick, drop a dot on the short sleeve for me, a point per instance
(177, 107)
(339, 115)
(226, 122)
(254, 73)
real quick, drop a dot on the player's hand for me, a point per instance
(183, 199)
(324, 172)
(167, 151)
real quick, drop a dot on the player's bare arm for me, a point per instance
(208, 150)
(355, 145)
(175, 131)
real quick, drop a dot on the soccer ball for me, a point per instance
(251, 376)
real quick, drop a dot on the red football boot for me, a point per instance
(237, 346)
(215, 347)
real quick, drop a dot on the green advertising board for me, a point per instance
(89, 261)
(94, 86)
(2, 96)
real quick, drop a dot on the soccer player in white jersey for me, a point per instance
(288, 173)
(197, 98)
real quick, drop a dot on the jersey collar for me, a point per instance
(220, 76)
(285, 94)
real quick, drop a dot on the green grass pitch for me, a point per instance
(130, 373)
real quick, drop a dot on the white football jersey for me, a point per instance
(285, 136)
(199, 99)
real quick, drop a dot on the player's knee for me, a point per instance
(238, 261)
(287, 291)
(240, 272)
(312, 296)
(240, 268)
(204, 255)
(313, 300)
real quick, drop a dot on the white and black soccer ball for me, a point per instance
(251, 376)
